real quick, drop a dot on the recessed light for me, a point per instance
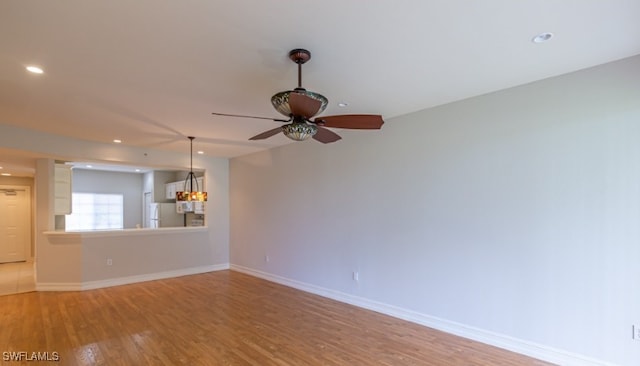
(89, 166)
(200, 152)
(117, 141)
(34, 69)
(542, 37)
(6, 174)
(137, 170)
(343, 104)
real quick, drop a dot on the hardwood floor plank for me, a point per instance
(224, 318)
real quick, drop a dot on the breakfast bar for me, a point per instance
(102, 258)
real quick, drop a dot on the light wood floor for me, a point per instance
(223, 318)
(16, 278)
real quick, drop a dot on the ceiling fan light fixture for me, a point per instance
(280, 101)
(299, 131)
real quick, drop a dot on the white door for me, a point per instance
(15, 223)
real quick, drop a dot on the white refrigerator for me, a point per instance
(164, 215)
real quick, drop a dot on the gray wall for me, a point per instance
(130, 185)
(514, 213)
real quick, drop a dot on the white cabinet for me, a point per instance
(62, 189)
(171, 189)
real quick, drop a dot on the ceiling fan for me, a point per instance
(300, 105)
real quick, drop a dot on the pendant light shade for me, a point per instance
(191, 190)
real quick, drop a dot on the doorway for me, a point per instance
(15, 223)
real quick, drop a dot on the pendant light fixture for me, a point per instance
(190, 194)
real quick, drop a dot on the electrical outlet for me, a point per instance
(109, 262)
(266, 258)
(355, 275)
(635, 332)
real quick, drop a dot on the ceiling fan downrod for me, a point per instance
(300, 56)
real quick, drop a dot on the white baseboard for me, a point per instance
(523, 347)
(91, 285)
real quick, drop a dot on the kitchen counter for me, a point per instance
(123, 232)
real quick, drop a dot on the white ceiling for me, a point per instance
(150, 72)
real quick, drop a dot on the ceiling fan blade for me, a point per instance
(352, 121)
(326, 136)
(243, 116)
(267, 134)
(302, 105)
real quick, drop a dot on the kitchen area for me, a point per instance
(136, 248)
(143, 198)
(162, 209)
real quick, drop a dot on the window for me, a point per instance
(96, 211)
